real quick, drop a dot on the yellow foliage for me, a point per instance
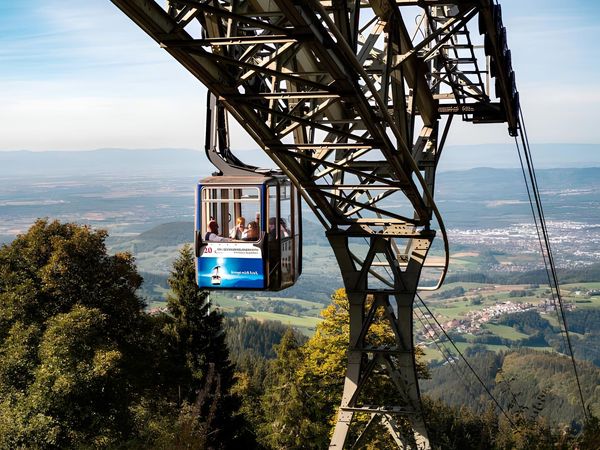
(324, 356)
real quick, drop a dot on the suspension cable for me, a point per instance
(540, 240)
(460, 374)
(468, 364)
(445, 352)
(554, 285)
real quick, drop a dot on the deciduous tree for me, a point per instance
(69, 339)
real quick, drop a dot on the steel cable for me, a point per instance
(547, 255)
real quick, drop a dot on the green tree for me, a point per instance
(289, 421)
(460, 428)
(78, 382)
(310, 379)
(69, 339)
(81, 363)
(201, 358)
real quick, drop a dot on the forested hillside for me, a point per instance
(303, 386)
(535, 384)
(84, 364)
(580, 274)
(164, 235)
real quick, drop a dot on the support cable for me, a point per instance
(554, 284)
(460, 374)
(512, 394)
(540, 240)
(468, 364)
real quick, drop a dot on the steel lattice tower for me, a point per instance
(353, 100)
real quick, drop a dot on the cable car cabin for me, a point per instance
(248, 233)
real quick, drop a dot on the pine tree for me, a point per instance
(202, 358)
(286, 403)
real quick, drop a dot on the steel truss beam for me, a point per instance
(334, 91)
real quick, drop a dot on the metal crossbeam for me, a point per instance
(334, 91)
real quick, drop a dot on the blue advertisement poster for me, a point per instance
(231, 265)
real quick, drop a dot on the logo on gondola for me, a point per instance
(215, 278)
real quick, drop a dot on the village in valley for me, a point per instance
(473, 320)
(476, 310)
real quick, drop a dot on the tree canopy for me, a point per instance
(82, 364)
(68, 320)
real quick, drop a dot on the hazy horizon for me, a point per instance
(191, 161)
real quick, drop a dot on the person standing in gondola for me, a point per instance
(240, 227)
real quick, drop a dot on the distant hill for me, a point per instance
(493, 198)
(164, 235)
(503, 156)
(487, 184)
(586, 274)
(185, 162)
(174, 233)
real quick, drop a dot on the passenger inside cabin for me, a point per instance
(283, 229)
(240, 228)
(251, 233)
(212, 234)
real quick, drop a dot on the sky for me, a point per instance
(79, 75)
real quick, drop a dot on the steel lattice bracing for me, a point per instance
(353, 101)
